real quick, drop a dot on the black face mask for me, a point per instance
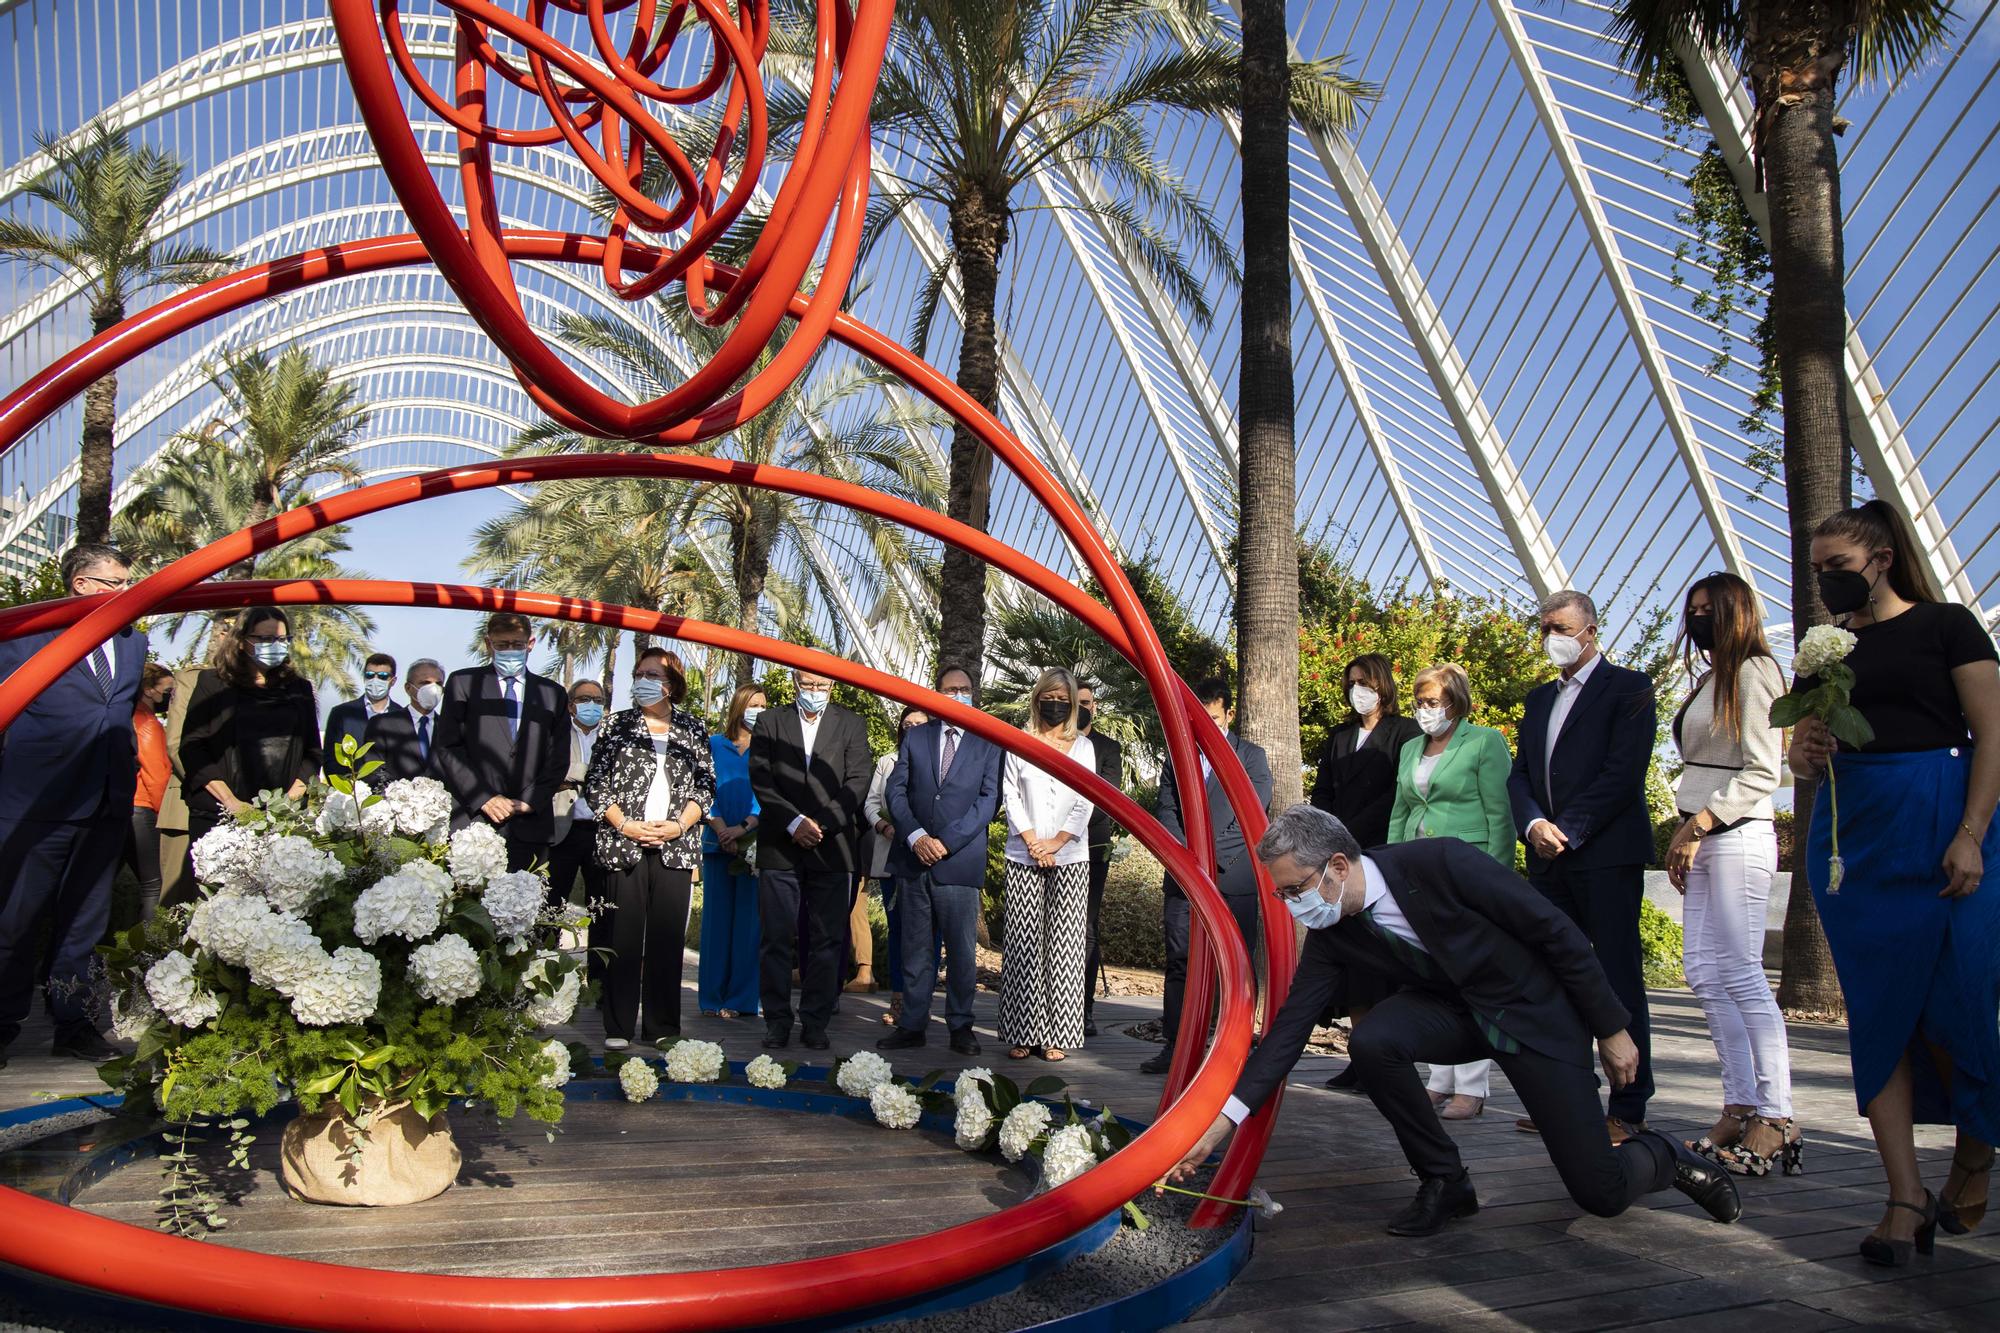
(1084, 713)
(1701, 632)
(1052, 712)
(1844, 591)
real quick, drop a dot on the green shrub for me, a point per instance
(1128, 931)
(878, 926)
(1660, 946)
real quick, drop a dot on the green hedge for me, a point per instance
(878, 925)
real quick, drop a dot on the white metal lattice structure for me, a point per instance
(1503, 385)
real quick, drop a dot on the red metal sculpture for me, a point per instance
(825, 185)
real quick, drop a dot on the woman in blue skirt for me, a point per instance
(727, 979)
(1914, 923)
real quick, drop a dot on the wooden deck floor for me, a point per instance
(1529, 1260)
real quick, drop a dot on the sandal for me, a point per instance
(1055, 1055)
(1738, 1159)
(1708, 1145)
(1020, 1053)
(1954, 1216)
(1887, 1251)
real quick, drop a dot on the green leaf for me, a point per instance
(368, 768)
(930, 1080)
(378, 1057)
(1048, 1085)
(325, 1083)
(1847, 723)
(349, 1096)
(1787, 710)
(1138, 1219)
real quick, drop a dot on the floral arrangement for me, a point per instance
(764, 1072)
(348, 947)
(1822, 658)
(695, 1062)
(858, 1074)
(895, 1105)
(638, 1080)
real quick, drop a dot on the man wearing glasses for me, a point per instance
(1488, 969)
(351, 718)
(68, 768)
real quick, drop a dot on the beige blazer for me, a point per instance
(1731, 777)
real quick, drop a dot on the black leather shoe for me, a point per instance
(1700, 1179)
(814, 1041)
(1159, 1064)
(963, 1042)
(84, 1044)
(1438, 1201)
(1089, 1026)
(902, 1039)
(776, 1037)
(1348, 1080)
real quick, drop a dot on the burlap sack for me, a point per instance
(403, 1158)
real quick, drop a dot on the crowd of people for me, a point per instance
(1401, 867)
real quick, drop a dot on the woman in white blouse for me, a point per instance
(1048, 884)
(1722, 857)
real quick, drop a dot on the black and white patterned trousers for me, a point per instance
(1045, 919)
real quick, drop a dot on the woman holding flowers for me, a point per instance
(1900, 711)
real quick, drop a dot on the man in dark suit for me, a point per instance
(941, 795)
(809, 766)
(1489, 970)
(1578, 790)
(405, 738)
(1235, 873)
(68, 768)
(1110, 767)
(503, 743)
(352, 717)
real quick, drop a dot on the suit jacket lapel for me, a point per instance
(1587, 699)
(1452, 748)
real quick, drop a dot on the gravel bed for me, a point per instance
(20, 1136)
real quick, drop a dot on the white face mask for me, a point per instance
(1435, 719)
(751, 714)
(1364, 699)
(429, 695)
(1562, 650)
(1311, 909)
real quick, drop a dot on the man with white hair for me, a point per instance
(1488, 969)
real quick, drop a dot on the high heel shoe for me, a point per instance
(1706, 1144)
(1958, 1218)
(1789, 1154)
(1885, 1252)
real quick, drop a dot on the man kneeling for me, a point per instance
(1488, 971)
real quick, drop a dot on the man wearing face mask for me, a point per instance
(405, 738)
(503, 742)
(573, 846)
(809, 767)
(1578, 791)
(353, 717)
(1487, 969)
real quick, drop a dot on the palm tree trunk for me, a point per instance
(261, 508)
(1796, 49)
(750, 540)
(100, 428)
(1267, 552)
(978, 235)
(610, 661)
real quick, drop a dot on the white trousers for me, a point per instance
(1728, 894)
(1468, 1080)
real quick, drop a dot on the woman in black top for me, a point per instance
(252, 724)
(1356, 784)
(1914, 922)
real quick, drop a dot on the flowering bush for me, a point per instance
(334, 955)
(764, 1072)
(695, 1062)
(638, 1080)
(895, 1105)
(859, 1073)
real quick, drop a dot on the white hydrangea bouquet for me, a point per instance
(348, 950)
(1822, 659)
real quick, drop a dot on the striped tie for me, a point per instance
(100, 670)
(950, 752)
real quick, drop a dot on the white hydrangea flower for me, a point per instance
(445, 970)
(695, 1062)
(559, 1053)
(764, 1072)
(1067, 1155)
(345, 990)
(973, 1126)
(284, 954)
(1020, 1129)
(1822, 646)
(406, 903)
(478, 853)
(173, 989)
(341, 812)
(514, 901)
(861, 1072)
(131, 1014)
(417, 805)
(226, 856)
(555, 1009)
(970, 1085)
(894, 1105)
(227, 924)
(638, 1080)
(292, 873)
(436, 876)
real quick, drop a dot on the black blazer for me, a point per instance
(1110, 767)
(71, 755)
(1235, 873)
(350, 717)
(1358, 787)
(1595, 792)
(827, 787)
(210, 744)
(479, 760)
(1505, 950)
(393, 733)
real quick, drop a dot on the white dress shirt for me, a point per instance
(1568, 690)
(584, 741)
(1035, 800)
(946, 730)
(809, 728)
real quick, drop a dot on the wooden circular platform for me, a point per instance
(661, 1187)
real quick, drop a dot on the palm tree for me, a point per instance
(1792, 53)
(691, 530)
(979, 96)
(203, 490)
(109, 195)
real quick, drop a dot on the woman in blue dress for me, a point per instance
(1914, 922)
(729, 926)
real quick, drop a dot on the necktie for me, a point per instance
(513, 710)
(1421, 963)
(950, 752)
(424, 736)
(100, 670)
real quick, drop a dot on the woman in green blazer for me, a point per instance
(1452, 783)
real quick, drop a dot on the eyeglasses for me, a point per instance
(1291, 892)
(115, 585)
(378, 675)
(649, 675)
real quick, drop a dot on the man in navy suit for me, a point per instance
(353, 717)
(943, 792)
(1578, 790)
(68, 767)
